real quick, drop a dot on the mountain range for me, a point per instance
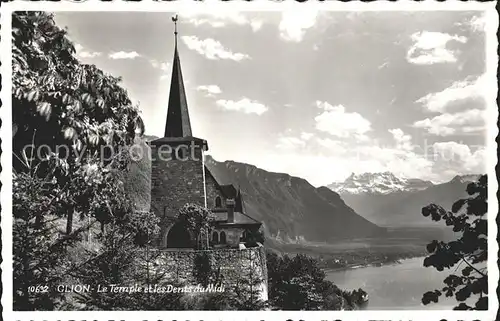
(294, 211)
(291, 209)
(391, 201)
(378, 183)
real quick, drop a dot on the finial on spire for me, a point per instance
(174, 19)
(178, 124)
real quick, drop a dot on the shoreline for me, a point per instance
(371, 264)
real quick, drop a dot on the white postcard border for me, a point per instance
(258, 5)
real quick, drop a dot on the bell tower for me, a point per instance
(177, 159)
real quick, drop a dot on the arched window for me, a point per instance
(222, 237)
(215, 238)
(218, 202)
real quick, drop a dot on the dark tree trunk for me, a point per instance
(69, 223)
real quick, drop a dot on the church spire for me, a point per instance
(178, 124)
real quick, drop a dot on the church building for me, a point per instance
(179, 176)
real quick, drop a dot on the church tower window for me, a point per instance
(222, 237)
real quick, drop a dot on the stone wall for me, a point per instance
(230, 266)
(173, 184)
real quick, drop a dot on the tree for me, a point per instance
(247, 290)
(254, 236)
(64, 109)
(298, 283)
(72, 125)
(39, 255)
(467, 217)
(197, 220)
(116, 261)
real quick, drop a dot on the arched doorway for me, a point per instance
(178, 237)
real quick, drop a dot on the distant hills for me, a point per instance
(291, 209)
(294, 211)
(388, 200)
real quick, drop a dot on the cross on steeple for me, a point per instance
(178, 124)
(174, 19)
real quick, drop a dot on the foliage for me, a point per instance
(115, 262)
(64, 109)
(197, 220)
(61, 100)
(247, 288)
(39, 255)
(72, 125)
(219, 301)
(298, 283)
(254, 236)
(467, 217)
(204, 269)
(356, 298)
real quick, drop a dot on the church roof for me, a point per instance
(239, 218)
(178, 123)
(229, 191)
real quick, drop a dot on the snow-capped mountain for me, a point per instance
(465, 178)
(387, 200)
(378, 183)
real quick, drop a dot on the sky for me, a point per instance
(315, 94)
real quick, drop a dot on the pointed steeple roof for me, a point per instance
(178, 123)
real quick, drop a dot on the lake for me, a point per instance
(395, 286)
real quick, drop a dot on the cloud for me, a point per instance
(167, 76)
(430, 48)
(478, 23)
(337, 122)
(305, 141)
(403, 141)
(466, 122)
(80, 52)
(210, 90)
(458, 91)
(294, 24)
(451, 150)
(219, 19)
(456, 118)
(457, 158)
(384, 65)
(124, 55)
(475, 23)
(256, 25)
(212, 49)
(331, 146)
(336, 160)
(306, 136)
(164, 66)
(290, 142)
(244, 105)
